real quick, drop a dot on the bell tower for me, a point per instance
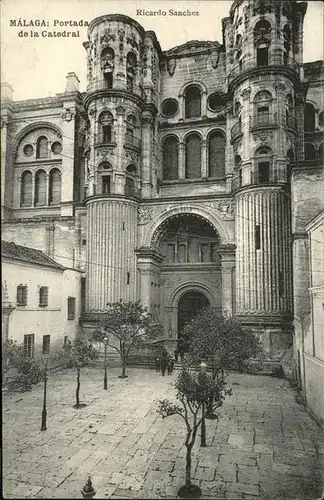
(264, 55)
(121, 104)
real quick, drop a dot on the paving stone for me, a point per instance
(249, 489)
(248, 474)
(128, 439)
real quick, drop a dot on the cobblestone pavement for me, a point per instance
(264, 445)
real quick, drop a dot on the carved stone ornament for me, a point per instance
(144, 215)
(121, 110)
(262, 135)
(105, 151)
(67, 115)
(245, 94)
(225, 207)
(92, 111)
(171, 66)
(279, 86)
(107, 36)
(121, 34)
(214, 58)
(131, 40)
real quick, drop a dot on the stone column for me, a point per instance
(204, 159)
(227, 253)
(148, 265)
(47, 189)
(68, 132)
(182, 166)
(147, 138)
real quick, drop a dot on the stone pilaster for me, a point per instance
(68, 128)
(227, 253)
(147, 139)
(148, 265)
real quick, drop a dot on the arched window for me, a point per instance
(107, 66)
(192, 102)
(129, 187)
(131, 64)
(170, 158)
(131, 169)
(216, 154)
(262, 103)
(321, 152)
(237, 161)
(291, 155)
(105, 165)
(309, 151)
(309, 118)
(105, 127)
(130, 129)
(262, 38)
(55, 187)
(40, 187)
(41, 147)
(26, 189)
(262, 175)
(193, 156)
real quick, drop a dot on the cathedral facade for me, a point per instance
(180, 178)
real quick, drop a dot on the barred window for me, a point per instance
(43, 296)
(193, 156)
(55, 187)
(29, 342)
(71, 308)
(216, 150)
(41, 147)
(22, 291)
(170, 158)
(40, 187)
(46, 343)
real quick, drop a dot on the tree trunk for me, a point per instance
(123, 373)
(77, 392)
(188, 465)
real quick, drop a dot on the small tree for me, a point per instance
(24, 370)
(80, 352)
(131, 325)
(221, 342)
(193, 391)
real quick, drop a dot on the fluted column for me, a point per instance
(263, 260)
(111, 263)
(227, 253)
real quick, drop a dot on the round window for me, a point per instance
(321, 118)
(28, 150)
(169, 107)
(57, 148)
(216, 102)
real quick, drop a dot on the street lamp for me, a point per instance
(203, 367)
(105, 377)
(44, 412)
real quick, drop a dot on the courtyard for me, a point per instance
(263, 446)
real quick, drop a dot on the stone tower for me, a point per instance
(121, 105)
(264, 54)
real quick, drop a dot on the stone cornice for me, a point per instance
(95, 94)
(149, 253)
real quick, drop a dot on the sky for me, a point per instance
(36, 67)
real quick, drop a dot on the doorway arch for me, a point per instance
(189, 305)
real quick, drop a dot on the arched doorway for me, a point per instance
(189, 306)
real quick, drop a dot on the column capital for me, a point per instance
(227, 249)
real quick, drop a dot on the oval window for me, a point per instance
(28, 150)
(216, 102)
(56, 148)
(170, 107)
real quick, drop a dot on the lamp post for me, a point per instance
(44, 412)
(203, 423)
(105, 377)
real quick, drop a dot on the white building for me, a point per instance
(40, 300)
